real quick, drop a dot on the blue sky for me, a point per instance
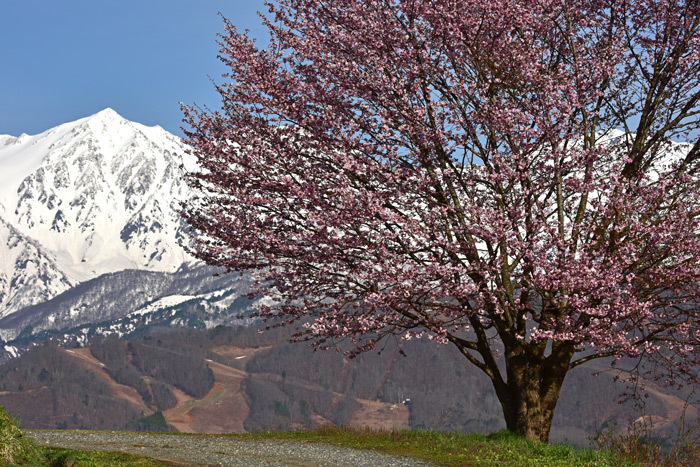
(61, 60)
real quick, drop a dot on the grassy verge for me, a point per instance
(453, 449)
(57, 457)
(15, 448)
(75, 458)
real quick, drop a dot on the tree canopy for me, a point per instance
(516, 178)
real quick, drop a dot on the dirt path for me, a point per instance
(676, 407)
(199, 450)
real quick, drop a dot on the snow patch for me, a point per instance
(165, 302)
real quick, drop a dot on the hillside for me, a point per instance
(236, 380)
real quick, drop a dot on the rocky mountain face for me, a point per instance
(90, 230)
(28, 273)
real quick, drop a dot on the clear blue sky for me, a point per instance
(61, 60)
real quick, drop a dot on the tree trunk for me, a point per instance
(530, 395)
(529, 413)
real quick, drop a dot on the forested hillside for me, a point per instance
(238, 380)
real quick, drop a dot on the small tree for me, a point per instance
(516, 178)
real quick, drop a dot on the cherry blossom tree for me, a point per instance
(516, 178)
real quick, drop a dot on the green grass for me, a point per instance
(15, 448)
(58, 457)
(75, 458)
(454, 449)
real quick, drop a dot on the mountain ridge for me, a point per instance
(93, 192)
(88, 202)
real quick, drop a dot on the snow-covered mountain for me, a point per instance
(28, 273)
(84, 200)
(101, 193)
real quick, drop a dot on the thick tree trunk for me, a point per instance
(530, 413)
(530, 394)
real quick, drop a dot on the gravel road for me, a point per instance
(195, 450)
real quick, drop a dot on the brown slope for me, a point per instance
(119, 391)
(222, 410)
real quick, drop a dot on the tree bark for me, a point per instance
(530, 394)
(530, 413)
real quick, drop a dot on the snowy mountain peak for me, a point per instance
(107, 112)
(100, 194)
